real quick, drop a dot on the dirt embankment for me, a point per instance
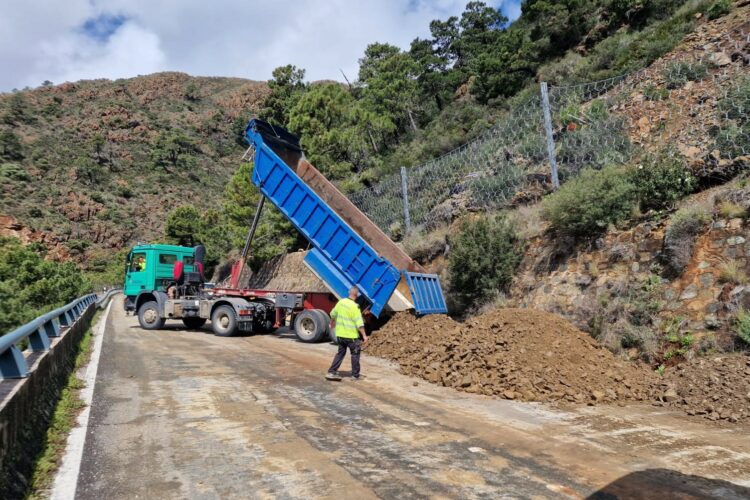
(531, 355)
(512, 353)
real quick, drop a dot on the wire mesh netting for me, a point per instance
(694, 103)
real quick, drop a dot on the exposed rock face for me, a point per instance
(702, 299)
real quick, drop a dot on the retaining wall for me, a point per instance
(27, 405)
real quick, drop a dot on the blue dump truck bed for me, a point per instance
(339, 255)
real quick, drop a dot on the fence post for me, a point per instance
(405, 199)
(550, 138)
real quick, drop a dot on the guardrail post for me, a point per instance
(39, 341)
(52, 328)
(64, 319)
(550, 136)
(405, 199)
(13, 364)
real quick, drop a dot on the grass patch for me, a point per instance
(63, 419)
(730, 210)
(425, 246)
(732, 271)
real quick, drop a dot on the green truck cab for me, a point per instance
(155, 294)
(149, 268)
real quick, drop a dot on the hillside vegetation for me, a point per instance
(98, 165)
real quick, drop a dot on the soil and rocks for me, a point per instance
(287, 272)
(518, 354)
(530, 355)
(717, 387)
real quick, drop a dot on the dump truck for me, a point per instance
(346, 250)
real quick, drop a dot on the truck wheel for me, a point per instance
(148, 316)
(224, 321)
(194, 323)
(309, 326)
(328, 333)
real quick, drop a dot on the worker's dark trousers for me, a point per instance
(354, 346)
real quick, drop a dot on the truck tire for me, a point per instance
(148, 316)
(309, 326)
(224, 321)
(194, 323)
(328, 334)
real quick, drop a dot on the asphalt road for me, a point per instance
(180, 414)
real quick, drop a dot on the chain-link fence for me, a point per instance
(695, 103)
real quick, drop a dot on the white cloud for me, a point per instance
(43, 39)
(130, 51)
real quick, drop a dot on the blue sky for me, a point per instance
(83, 39)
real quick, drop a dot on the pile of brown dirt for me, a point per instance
(519, 354)
(717, 387)
(287, 272)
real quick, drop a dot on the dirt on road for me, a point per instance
(530, 355)
(512, 353)
(716, 387)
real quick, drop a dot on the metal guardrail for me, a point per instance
(102, 301)
(38, 332)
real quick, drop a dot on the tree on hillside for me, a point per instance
(388, 86)
(18, 110)
(30, 285)
(97, 144)
(10, 146)
(287, 85)
(274, 235)
(174, 150)
(481, 27)
(89, 172)
(324, 119)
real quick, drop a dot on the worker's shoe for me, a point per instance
(333, 376)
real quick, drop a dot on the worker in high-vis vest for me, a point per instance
(346, 319)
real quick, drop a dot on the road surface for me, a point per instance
(185, 414)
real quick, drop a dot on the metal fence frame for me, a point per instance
(39, 331)
(550, 135)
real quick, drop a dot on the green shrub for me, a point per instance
(124, 192)
(690, 220)
(30, 285)
(483, 258)
(662, 179)
(734, 104)
(742, 325)
(586, 205)
(653, 93)
(733, 140)
(679, 73)
(14, 172)
(718, 9)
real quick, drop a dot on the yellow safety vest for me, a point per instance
(348, 319)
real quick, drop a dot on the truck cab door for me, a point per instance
(136, 274)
